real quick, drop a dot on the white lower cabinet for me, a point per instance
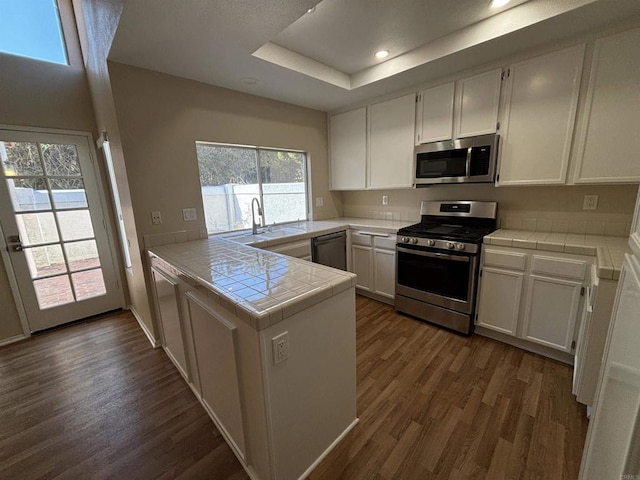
(384, 272)
(280, 419)
(166, 293)
(362, 265)
(532, 295)
(373, 260)
(499, 300)
(551, 311)
(214, 341)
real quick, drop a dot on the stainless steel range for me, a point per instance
(437, 262)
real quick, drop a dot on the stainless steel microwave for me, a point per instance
(470, 159)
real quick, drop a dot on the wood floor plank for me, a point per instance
(94, 400)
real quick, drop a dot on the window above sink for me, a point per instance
(231, 176)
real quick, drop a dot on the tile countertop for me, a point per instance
(263, 287)
(302, 230)
(260, 287)
(609, 251)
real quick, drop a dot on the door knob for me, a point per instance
(15, 245)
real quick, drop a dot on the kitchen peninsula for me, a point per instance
(267, 344)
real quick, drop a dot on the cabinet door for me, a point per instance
(168, 312)
(215, 346)
(435, 112)
(361, 264)
(384, 281)
(540, 107)
(391, 129)
(499, 300)
(551, 311)
(478, 102)
(608, 141)
(348, 146)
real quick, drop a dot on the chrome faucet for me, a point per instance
(254, 228)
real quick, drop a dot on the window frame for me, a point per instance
(257, 148)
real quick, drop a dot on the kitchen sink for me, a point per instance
(263, 234)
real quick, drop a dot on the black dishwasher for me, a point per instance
(330, 250)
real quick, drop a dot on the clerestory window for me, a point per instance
(32, 28)
(231, 176)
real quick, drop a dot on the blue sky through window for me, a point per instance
(31, 28)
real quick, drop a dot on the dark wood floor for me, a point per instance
(94, 400)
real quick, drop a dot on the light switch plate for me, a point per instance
(189, 214)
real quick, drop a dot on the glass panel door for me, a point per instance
(54, 227)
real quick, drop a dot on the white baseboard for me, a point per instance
(145, 329)
(375, 296)
(15, 339)
(525, 345)
(328, 450)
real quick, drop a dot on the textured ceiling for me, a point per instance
(345, 34)
(323, 60)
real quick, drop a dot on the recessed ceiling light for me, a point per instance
(311, 10)
(382, 53)
(249, 80)
(499, 3)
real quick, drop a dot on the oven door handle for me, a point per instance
(468, 163)
(455, 258)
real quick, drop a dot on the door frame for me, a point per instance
(115, 253)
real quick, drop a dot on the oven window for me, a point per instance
(435, 275)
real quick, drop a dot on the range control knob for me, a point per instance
(450, 245)
(431, 243)
(414, 241)
(404, 240)
(460, 246)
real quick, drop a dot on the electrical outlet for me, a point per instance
(156, 218)
(280, 344)
(385, 199)
(189, 214)
(590, 202)
(319, 201)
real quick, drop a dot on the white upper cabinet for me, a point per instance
(434, 114)
(348, 145)
(465, 108)
(477, 104)
(541, 96)
(391, 129)
(608, 141)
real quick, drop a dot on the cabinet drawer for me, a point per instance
(510, 260)
(388, 242)
(361, 238)
(559, 267)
